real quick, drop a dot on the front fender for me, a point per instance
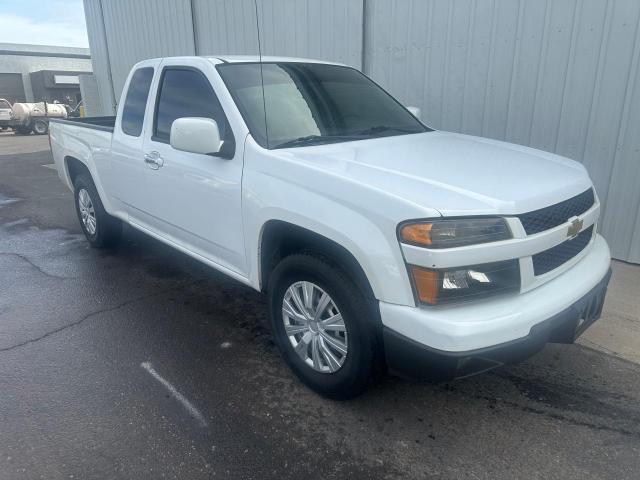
(376, 249)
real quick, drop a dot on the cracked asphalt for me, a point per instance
(81, 330)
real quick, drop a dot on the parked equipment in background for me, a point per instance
(34, 117)
(5, 114)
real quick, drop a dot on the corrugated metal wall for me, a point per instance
(101, 63)
(328, 30)
(560, 75)
(91, 98)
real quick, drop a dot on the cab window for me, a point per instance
(185, 92)
(136, 101)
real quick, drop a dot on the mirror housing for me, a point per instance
(415, 111)
(196, 135)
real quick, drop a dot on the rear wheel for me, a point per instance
(323, 326)
(101, 229)
(40, 127)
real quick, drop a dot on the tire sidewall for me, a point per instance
(357, 367)
(45, 127)
(81, 183)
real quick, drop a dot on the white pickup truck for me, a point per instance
(381, 243)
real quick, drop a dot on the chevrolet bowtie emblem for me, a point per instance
(574, 228)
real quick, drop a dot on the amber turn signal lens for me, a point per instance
(427, 283)
(418, 233)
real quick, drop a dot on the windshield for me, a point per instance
(313, 103)
(4, 103)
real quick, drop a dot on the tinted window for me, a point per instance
(136, 101)
(4, 104)
(185, 93)
(310, 103)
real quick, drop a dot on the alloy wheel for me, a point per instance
(87, 212)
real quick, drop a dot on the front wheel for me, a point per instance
(101, 229)
(323, 326)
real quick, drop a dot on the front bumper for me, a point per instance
(410, 359)
(477, 336)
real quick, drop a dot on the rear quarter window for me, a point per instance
(136, 101)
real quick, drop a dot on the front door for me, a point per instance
(194, 200)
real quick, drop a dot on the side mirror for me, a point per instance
(196, 135)
(415, 111)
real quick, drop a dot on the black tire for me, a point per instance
(40, 127)
(363, 358)
(23, 130)
(108, 229)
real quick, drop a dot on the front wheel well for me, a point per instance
(74, 168)
(280, 239)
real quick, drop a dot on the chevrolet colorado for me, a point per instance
(381, 243)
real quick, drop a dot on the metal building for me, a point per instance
(559, 75)
(33, 73)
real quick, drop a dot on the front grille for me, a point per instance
(551, 259)
(549, 217)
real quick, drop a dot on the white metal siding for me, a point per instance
(559, 75)
(224, 27)
(100, 58)
(327, 30)
(141, 29)
(91, 98)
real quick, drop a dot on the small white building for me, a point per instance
(39, 72)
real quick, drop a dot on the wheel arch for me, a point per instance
(279, 239)
(75, 167)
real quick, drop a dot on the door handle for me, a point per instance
(153, 160)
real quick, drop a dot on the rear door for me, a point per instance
(127, 171)
(193, 200)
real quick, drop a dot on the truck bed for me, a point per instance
(97, 123)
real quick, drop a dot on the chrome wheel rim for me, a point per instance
(315, 327)
(87, 212)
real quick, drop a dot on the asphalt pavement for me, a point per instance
(139, 363)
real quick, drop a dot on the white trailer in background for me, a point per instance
(34, 117)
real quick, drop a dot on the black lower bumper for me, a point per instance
(410, 359)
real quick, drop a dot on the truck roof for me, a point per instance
(218, 59)
(265, 59)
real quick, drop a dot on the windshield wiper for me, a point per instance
(361, 135)
(385, 128)
(313, 140)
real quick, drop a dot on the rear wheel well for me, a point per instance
(280, 239)
(75, 167)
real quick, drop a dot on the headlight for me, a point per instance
(455, 232)
(437, 287)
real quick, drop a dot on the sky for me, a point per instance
(43, 22)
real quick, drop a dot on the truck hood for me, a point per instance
(453, 173)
